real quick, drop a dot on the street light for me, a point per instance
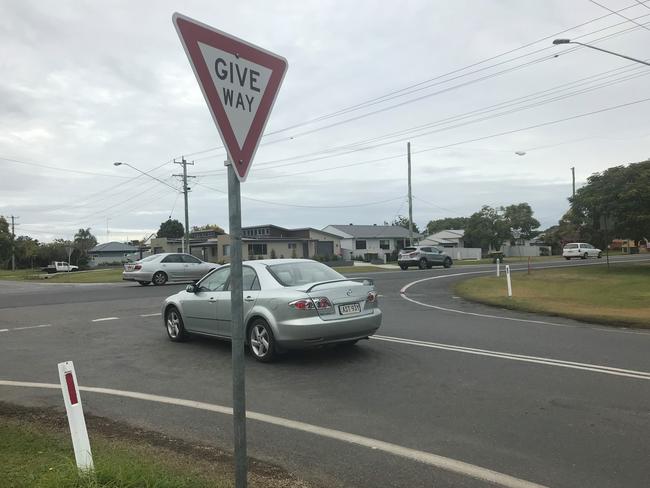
(185, 241)
(569, 41)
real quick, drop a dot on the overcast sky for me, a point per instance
(85, 84)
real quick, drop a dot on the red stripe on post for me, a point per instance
(72, 391)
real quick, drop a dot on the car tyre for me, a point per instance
(404, 267)
(600, 255)
(423, 264)
(585, 256)
(567, 258)
(144, 283)
(261, 341)
(159, 278)
(174, 325)
(447, 263)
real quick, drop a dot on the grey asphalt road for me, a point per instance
(554, 414)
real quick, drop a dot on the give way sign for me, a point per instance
(239, 81)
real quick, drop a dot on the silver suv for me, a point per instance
(423, 257)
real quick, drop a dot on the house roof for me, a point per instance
(113, 247)
(448, 234)
(374, 231)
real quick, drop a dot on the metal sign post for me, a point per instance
(237, 314)
(240, 82)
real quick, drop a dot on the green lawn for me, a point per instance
(36, 452)
(94, 276)
(618, 296)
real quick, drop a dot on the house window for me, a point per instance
(292, 245)
(226, 250)
(384, 244)
(360, 244)
(213, 251)
(256, 249)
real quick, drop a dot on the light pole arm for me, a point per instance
(147, 174)
(608, 52)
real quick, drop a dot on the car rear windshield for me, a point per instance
(150, 258)
(409, 249)
(300, 273)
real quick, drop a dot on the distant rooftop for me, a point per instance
(374, 231)
(113, 247)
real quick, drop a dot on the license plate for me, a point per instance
(350, 308)
(129, 267)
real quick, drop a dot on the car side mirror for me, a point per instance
(191, 288)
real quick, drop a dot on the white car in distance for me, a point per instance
(581, 250)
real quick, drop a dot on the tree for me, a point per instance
(562, 233)
(171, 228)
(84, 240)
(447, 223)
(521, 221)
(487, 229)
(214, 227)
(615, 202)
(5, 241)
(401, 221)
(26, 251)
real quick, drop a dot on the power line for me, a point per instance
(367, 204)
(384, 98)
(65, 170)
(619, 14)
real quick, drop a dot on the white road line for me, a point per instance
(4, 330)
(104, 319)
(512, 319)
(430, 459)
(33, 327)
(642, 375)
(150, 314)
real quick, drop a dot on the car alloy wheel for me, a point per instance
(447, 263)
(174, 325)
(423, 264)
(159, 278)
(585, 256)
(260, 339)
(600, 255)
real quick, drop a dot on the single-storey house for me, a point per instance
(362, 240)
(111, 253)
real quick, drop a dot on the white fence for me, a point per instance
(459, 253)
(525, 251)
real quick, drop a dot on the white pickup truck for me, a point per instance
(60, 266)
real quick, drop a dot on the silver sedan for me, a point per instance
(161, 268)
(288, 304)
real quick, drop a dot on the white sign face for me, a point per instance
(240, 85)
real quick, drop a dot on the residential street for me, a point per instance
(541, 399)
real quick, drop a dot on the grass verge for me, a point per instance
(93, 276)
(618, 296)
(37, 452)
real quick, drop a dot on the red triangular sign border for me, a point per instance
(191, 32)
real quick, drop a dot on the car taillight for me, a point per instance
(372, 297)
(320, 303)
(137, 267)
(414, 254)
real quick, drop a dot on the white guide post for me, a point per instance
(508, 280)
(498, 267)
(73, 408)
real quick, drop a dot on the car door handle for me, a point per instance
(212, 299)
(249, 299)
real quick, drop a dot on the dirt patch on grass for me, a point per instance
(209, 459)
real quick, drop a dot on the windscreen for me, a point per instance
(302, 272)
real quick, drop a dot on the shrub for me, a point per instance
(272, 255)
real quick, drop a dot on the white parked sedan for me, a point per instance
(161, 268)
(581, 250)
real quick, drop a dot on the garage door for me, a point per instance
(325, 248)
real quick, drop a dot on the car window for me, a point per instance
(408, 249)
(302, 272)
(437, 249)
(216, 281)
(190, 259)
(571, 246)
(426, 249)
(149, 258)
(172, 258)
(250, 280)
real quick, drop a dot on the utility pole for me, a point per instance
(573, 178)
(186, 240)
(13, 243)
(408, 147)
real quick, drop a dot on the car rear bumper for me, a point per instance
(408, 262)
(136, 276)
(298, 335)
